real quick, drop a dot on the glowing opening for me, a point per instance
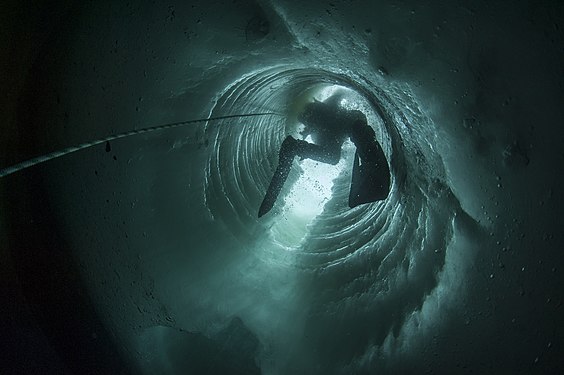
(307, 197)
(313, 188)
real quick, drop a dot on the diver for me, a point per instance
(329, 124)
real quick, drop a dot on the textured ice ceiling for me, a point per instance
(146, 256)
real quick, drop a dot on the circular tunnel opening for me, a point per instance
(190, 255)
(387, 258)
(246, 153)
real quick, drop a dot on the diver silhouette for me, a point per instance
(329, 124)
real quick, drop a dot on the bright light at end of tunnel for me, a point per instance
(307, 197)
(312, 190)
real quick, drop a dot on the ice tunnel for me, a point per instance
(144, 255)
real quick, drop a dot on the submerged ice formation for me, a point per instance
(384, 270)
(164, 229)
(324, 289)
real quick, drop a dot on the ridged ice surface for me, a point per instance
(129, 235)
(372, 269)
(172, 250)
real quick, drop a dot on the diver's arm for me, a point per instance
(291, 148)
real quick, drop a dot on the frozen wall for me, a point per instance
(146, 256)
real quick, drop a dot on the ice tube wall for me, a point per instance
(145, 255)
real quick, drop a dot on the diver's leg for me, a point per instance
(371, 174)
(289, 149)
(285, 158)
(328, 155)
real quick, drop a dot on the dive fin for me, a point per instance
(370, 181)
